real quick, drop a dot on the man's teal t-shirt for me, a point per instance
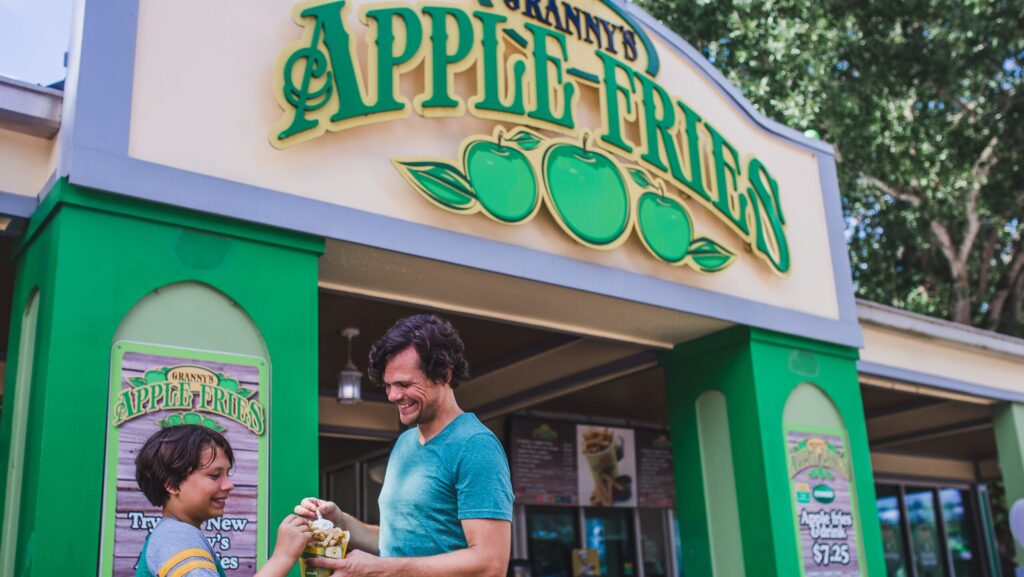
(462, 473)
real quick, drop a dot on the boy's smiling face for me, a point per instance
(202, 494)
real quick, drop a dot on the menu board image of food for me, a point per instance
(606, 466)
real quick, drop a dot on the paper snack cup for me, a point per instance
(307, 570)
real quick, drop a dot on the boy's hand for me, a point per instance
(307, 508)
(292, 536)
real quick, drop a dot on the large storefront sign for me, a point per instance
(637, 167)
(561, 463)
(826, 517)
(153, 387)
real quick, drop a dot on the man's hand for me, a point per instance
(355, 564)
(328, 509)
(361, 535)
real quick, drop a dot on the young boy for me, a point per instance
(184, 469)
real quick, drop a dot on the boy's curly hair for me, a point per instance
(171, 454)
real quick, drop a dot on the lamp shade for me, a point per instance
(350, 385)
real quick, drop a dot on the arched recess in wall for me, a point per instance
(720, 501)
(19, 410)
(188, 354)
(192, 315)
(821, 479)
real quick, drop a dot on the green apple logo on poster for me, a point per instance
(193, 390)
(532, 59)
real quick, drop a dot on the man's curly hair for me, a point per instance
(435, 340)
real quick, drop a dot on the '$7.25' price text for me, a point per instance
(825, 554)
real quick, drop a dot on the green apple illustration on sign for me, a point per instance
(495, 178)
(502, 177)
(667, 230)
(587, 193)
(584, 191)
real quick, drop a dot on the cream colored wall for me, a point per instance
(203, 102)
(941, 358)
(26, 162)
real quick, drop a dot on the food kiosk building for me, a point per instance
(651, 279)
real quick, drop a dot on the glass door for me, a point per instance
(551, 535)
(654, 542)
(960, 534)
(610, 532)
(890, 514)
(925, 537)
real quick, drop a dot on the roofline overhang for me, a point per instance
(939, 329)
(30, 109)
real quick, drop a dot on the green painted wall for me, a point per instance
(1008, 419)
(93, 256)
(757, 371)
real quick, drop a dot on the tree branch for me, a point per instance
(1006, 284)
(911, 196)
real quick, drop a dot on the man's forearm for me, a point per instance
(362, 536)
(471, 562)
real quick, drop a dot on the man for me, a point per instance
(446, 503)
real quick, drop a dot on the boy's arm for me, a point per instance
(292, 536)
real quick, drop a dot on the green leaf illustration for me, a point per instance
(640, 177)
(440, 182)
(212, 424)
(156, 376)
(709, 256)
(245, 393)
(525, 139)
(228, 384)
(136, 381)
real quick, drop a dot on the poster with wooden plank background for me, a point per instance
(154, 386)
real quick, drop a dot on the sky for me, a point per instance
(34, 34)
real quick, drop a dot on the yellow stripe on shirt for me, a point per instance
(184, 569)
(195, 552)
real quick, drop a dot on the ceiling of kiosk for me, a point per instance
(397, 277)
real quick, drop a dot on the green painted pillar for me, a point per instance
(1008, 419)
(85, 262)
(746, 405)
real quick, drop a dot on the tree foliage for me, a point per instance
(922, 100)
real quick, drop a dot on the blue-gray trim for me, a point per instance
(99, 159)
(17, 204)
(177, 187)
(846, 296)
(106, 71)
(937, 381)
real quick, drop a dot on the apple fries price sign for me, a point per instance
(636, 172)
(826, 519)
(153, 387)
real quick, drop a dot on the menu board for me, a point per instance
(543, 462)
(826, 520)
(154, 387)
(656, 481)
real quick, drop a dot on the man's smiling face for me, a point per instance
(417, 397)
